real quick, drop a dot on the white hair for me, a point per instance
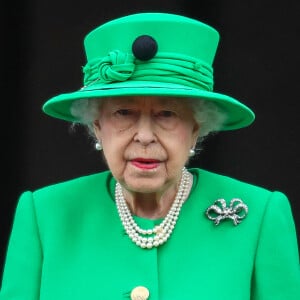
(206, 113)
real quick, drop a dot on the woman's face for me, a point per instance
(146, 140)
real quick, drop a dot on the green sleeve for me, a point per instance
(22, 270)
(276, 271)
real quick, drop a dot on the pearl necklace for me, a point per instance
(149, 238)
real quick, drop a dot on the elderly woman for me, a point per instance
(150, 227)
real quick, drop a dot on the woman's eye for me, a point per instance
(124, 112)
(166, 114)
(167, 119)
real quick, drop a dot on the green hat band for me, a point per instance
(164, 67)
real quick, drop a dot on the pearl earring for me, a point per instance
(192, 152)
(98, 146)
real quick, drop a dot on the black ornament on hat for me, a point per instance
(144, 47)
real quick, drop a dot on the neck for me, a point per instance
(152, 205)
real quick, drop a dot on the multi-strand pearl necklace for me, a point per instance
(149, 238)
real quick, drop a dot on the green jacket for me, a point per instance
(67, 243)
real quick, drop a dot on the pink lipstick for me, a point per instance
(145, 163)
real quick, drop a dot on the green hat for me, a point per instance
(154, 54)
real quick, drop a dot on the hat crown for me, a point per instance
(173, 34)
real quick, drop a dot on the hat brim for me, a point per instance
(238, 114)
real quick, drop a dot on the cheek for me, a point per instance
(178, 144)
(114, 147)
(114, 158)
(183, 137)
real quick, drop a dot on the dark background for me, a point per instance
(42, 55)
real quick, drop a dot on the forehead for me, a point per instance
(147, 101)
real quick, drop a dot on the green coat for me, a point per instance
(67, 243)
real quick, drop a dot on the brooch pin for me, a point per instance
(219, 211)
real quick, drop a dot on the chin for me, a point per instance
(145, 185)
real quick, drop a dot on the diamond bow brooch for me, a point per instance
(219, 211)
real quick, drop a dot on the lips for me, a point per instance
(145, 163)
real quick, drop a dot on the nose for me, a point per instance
(145, 133)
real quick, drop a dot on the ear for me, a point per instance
(195, 133)
(97, 129)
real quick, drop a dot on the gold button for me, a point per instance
(139, 293)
